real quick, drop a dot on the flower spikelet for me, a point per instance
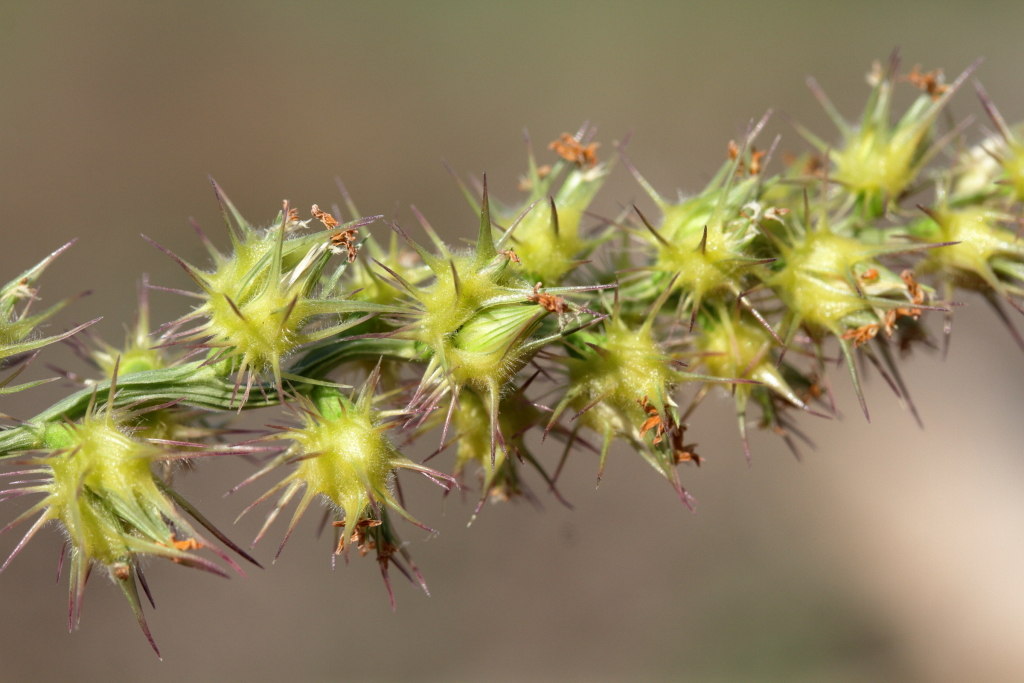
(268, 298)
(98, 485)
(341, 455)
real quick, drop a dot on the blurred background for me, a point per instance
(888, 554)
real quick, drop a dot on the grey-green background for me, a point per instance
(889, 554)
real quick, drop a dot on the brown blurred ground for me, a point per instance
(889, 554)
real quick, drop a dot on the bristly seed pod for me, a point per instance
(259, 303)
(471, 436)
(341, 454)
(877, 161)
(832, 284)
(98, 484)
(982, 255)
(620, 383)
(734, 345)
(543, 232)
(476, 319)
(1006, 150)
(703, 243)
(16, 327)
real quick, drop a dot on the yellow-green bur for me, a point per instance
(544, 230)
(138, 353)
(16, 328)
(342, 455)
(741, 348)
(818, 285)
(985, 249)
(988, 257)
(1008, 153)
(547, 239)
(470, 423)
(702, 262)
(476, 319)
(608, 378)
(701, 242)
(486, 353)
(477, 326)
(1013, 165)
(877, 161)
(116, 469)
(718, 203)
(814, 284)
(458, 294)
(99, 486)
(260, 300)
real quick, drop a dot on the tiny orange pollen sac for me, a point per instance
(653, 421)
(188, 544)
(930, 82)
(862, 335)
(570, 149)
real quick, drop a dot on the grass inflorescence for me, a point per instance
(554, 323)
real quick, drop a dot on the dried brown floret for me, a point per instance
(551, 302)
(345, 240)
(291, 215)
(683, 452)
(755, 160)
(359, 537)
(756, 157)
(653, 421)
(913, 288)
(917, 296)
(324, 217)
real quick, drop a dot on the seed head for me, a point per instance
(476, 318)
